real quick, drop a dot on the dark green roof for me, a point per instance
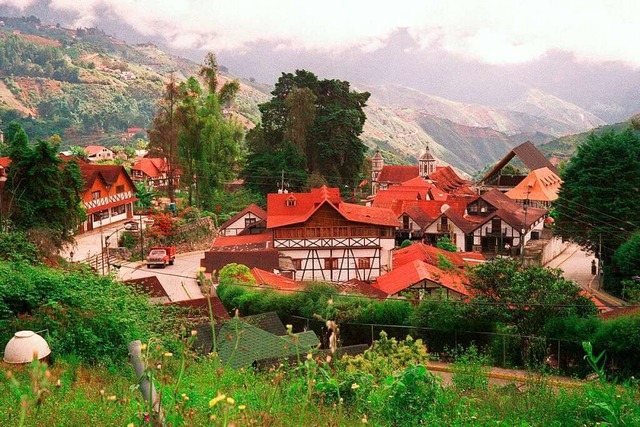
(241, 344)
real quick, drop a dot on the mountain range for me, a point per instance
(115, 86)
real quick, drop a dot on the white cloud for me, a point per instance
(491, 31)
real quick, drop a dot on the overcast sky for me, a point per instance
(467, 49)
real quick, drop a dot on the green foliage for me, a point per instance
(627, 257)
(445, 243)
(128, 239)
(234, 273)
(407, 394)
(309, 126)
(590, 209)
(88, 316)
(43, 190)
(145, 195)
(231, 203)
(15, 246)
(387, 356)
(445, 264)
(20, 57)
(470, 369)
(527, 297)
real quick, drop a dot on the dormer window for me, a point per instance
(291, 201)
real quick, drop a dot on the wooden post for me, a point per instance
(147, 389)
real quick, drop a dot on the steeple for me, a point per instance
(426, 163)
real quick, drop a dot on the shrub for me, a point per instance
(85, 315)
(445, 243)
(128, 240)
(15, 246)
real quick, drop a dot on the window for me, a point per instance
(297, 263)
(118, 210)
(291, 201)
(249, 221)
(119, 189)
(331, 263)
(95, 195)
(405, 221)
(364, 263)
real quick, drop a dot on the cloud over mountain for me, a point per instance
(491, 31)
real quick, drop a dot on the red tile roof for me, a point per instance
(92, 150)
(150, 285)
(152, 167)
(448, 181)
(416, 271)
(528, 153)
(5, 161)
(294, 208)
(201, 307)
(429, 254)
(108, 173)
(274, 281)
(397, 174)
(540, 185)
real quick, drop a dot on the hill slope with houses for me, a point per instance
(93, 88)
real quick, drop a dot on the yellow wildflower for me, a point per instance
(230, 401)
(354, 386)
(242, 407)
(168, 354)
(213, 402)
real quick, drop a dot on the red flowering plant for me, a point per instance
(163, 229)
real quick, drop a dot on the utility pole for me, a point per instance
(523, 233)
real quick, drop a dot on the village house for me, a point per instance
(328, 239)
(108, 195)
(251, 220)
(154, 172)
(311, 236)
(538, 189)
(502, 178)
(98, 153)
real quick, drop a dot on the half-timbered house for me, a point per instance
(108, 195)
(328, 239)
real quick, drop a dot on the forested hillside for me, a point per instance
(85, 85)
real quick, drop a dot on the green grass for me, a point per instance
(290, 396)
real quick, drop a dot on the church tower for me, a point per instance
(426, 164)
(377, 163)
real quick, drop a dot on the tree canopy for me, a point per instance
(192, 131)
(526, 297)
(309, 127)
(597, 206)
(43, 191)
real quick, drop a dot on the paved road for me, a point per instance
(178, 280)
(576, 265)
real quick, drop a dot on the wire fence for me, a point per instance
(503, 349)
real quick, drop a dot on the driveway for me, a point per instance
(178, 280)
(576, 265)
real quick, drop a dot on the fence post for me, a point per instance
(504, 351)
